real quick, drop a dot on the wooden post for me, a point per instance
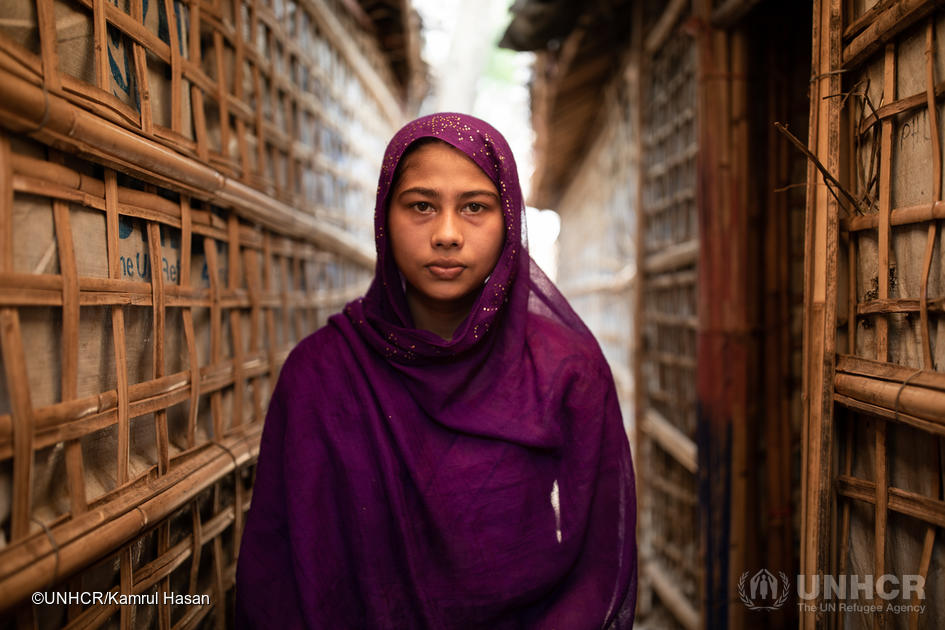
(726, 349)
(820, 300)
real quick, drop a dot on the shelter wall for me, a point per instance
(876, 334)
(184, 194)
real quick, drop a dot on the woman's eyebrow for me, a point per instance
(419, 190)
(476, 193)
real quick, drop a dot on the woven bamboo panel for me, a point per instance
(182, 199)
(883, 301)
(273, 94)
(668, 248)
(123, 377)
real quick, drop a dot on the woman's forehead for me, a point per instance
(440, 159)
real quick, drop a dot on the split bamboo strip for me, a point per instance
(24, 289)
(899, 216)
(671, 439)
(665, 587)
(846, 506)
(925, 561)
(6, 204)
(188, 323)
(125, 586)
(911, 504)
(251, 265)
(216, 333)
(661, 31)
(928, 426)
(118, 328)
(14, 363)
(234, 274)
(881, 341)
(100, 20)
(929, 541)
(175, 62)
(900, 305)
(868, 17)
(75, 473)
(900, 106)
(45, 16)
(936, 196)
(890, 372)
(673, 257)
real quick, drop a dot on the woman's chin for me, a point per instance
(447, 296)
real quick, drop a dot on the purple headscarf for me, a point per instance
(406, 481)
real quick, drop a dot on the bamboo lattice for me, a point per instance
(887, 292)
(668, 247)
(184, 194)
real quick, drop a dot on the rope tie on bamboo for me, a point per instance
(45, 118)
(55, 546)
(824, 75)
(902, 386)
(236, 466)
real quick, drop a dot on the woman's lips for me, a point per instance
(444, 272)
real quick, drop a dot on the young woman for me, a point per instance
(448, 451)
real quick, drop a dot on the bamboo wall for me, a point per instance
(687, 161)
(735, 428)
(185, 192)
(875, 346)
(668, 243)
(719, 303)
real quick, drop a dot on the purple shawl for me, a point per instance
(405, 481)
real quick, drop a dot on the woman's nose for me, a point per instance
(447, 230)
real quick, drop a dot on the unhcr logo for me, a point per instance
(829, 593)
(762, 591)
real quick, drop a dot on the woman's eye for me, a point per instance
(422, 206)
(475, 208)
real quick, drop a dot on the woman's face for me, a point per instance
(445, 224)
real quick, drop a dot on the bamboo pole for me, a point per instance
(921, 402)
(820, 300)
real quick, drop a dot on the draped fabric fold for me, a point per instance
(406, 481)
